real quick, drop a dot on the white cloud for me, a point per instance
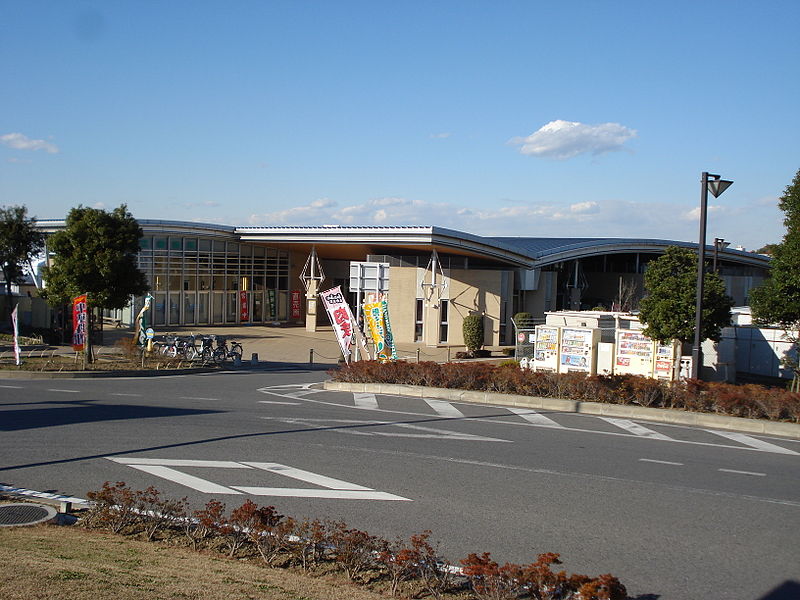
(19, 141)
(565, 139)
(751, 225)
(441, 136)
(311, 214)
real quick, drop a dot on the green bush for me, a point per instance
(522, 317)
(473, 332)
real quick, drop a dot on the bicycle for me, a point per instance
(222, 352)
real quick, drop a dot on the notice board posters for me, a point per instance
(635, 353)
(577, 353)
(545, 351)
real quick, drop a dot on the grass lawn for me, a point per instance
(72, 563)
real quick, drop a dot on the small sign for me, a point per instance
(149, 333)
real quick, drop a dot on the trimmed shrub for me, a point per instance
(752, 401)
(473, 332)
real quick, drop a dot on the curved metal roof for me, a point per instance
(524, 252)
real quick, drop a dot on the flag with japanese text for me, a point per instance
(341, 318)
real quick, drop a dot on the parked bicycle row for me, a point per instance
(205, 348)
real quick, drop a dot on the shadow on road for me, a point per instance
(87, 411)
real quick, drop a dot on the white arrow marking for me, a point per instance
(363, 400)
(534, 417)
(752, 442)
(637, 429)
(443, 408)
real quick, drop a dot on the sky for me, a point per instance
(565, 119)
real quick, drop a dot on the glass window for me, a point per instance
(190, 244)
(159, 282)
(145, 243)
(219, 246)
(444, 306)
(420, 308)
(175, 243)
(204, 245)
(174, 282)
(204, 282)
(159, 243)
(189, 283)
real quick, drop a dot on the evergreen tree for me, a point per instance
(777, 300)
(668, 309)
(96, 254)
(20, 242)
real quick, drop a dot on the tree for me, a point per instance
(777, 300)
(668, 310)
(96, 254)
(20, 242)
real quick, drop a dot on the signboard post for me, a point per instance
(367, 278)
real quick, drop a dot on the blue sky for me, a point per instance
(497, 118)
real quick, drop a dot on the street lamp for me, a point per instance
(716, 185)
(719, 245)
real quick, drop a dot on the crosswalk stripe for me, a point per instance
(751, 441)
(443, 408)
(636, 429)
(533, 417)
(364, 400)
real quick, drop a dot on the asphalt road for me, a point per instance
(675, 512)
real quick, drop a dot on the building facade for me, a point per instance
(205, 275)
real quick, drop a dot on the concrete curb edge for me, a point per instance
(659, 415)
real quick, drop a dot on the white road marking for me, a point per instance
(11, 387)
(307, 476)
(333, 488)
(194, 398)
(444, 408)
(352, 427)
(495, 420)
(171, 462)
(65, 391)
(636, 429)
(661, 462)
(37, 494)
(743, 472)
(196, 483)
(534, 417)
(278, 402)
(312, 493)
(363, 400)
(751, 441)
(132, 395)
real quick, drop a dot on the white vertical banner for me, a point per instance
(341, 318)
(15, 324)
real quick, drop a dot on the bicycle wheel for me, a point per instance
(207, 355)
(236, 350)
(189, 352)
(220, 355)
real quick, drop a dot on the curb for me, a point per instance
(9, 374)
(659, 415)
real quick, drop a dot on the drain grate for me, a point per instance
(22, 513)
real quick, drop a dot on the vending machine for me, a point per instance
(578, 350)
(667, 357)
(635, 353)
(545, 353)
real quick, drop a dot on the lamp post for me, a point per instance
(719, 245)
(716, 185)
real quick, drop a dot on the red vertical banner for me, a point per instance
(79, 318)
(244, 312)
(296, 307)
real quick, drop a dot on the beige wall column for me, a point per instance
(311, 305)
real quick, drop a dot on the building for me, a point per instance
(204, 274)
